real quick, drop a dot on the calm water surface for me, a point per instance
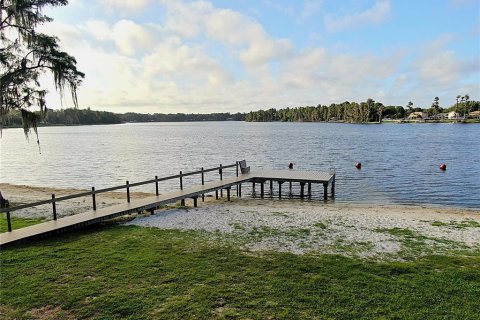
(400, 162)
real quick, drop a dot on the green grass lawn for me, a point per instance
(113, 272)
(16, 222)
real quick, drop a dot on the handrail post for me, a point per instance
(9, 223)
(182, 202)
(128, 192)
(156, 185)
(203, 183)
(54, 207)
(93, 199)
(236, 167)
(221, 178)
(181, 180)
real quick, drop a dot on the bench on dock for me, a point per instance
(243, 167)
(304, 178)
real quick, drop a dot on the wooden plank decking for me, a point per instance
(95, 216)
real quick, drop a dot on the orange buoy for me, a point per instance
(358, 165)
(443, 166)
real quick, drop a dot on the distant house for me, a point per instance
(442, 115)
(418, 115)
(474, 114)
(453, 115)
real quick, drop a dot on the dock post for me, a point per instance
(156, 185)
(280, 189)
(128, 191)
(271, 188)
(195, 202)
(290, 188)
(325, 191)
(302, 187)
(240, 190)
(182, 202)
(309, 189)
(228, 193)
(261, 188)
(333, 186)
(236, 166)
(9, 222)
(203, 183)
(216, 194)
(94, 202)
(253, 188)
(221, 178)
(54, 207)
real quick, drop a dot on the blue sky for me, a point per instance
(215, 56)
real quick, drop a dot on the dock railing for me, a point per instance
(126, 186)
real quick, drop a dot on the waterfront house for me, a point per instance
(474, 114)
(453, 115)
(417, 115)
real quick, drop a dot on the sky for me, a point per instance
(169, 56)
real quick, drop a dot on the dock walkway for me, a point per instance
(151, 203)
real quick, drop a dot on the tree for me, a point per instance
(467, 106)
(379, 108)
(25, 55)
(410, 107)
(435, 106)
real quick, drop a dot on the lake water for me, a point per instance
(400, 161)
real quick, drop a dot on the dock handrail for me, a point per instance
(127, 186)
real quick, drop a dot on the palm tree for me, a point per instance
(410, 107)
(467, 105)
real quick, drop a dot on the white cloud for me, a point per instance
(129, 5)
(128, 36)
(311, 8)
(376, 14)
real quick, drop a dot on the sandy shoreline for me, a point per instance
(296, 226)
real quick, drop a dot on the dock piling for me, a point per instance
(203, 183)
(9, 222)
(221, 178)
(156, 186)
(94, 202)
(128, 191)
(325, 191)
(54, 207)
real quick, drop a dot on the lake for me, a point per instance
(400, 162)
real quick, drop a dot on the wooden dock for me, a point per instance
(151, 203)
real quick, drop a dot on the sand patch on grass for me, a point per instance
(314, 227)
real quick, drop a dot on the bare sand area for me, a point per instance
(295, 226)
(300, 227)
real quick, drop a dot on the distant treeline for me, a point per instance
(73, 116)
(353, 112)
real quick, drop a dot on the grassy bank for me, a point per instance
(141, 273)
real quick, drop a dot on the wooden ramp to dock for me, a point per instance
(151, 203)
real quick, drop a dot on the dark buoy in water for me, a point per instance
(443, 167)
(290, 166)
(358, 165)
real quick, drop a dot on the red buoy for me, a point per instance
(443, 166)
(358, 165)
